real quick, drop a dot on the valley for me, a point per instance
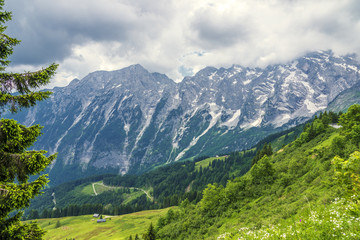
(290, 190)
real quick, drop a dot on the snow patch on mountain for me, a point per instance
(233, 121)
(215, 115)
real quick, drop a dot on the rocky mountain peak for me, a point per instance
(130, 120)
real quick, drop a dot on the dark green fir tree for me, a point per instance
(16, 162)
(150, 234)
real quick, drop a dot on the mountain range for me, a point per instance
(131, 120)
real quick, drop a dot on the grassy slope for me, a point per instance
(308, 170)
(81, 191)
(309, 176)
(206, 162)
(101, 188)
(86, 227)
(307, 189)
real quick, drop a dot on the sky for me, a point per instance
(177, 38)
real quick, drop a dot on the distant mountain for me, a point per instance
(131, 120)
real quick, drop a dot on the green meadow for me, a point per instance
(86, 227)
(206, 162)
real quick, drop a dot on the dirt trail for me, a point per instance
(93, 186)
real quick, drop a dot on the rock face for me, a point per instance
(131, 120)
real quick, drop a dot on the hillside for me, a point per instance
(295, 184)
(166, 186)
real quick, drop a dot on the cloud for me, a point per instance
(176, 37)
(216, 28)
(50, 29)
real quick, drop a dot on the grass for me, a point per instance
(88, 190)
(100, 188)
(86, 227)
(133, 195)
(327, 142)
(206, 162)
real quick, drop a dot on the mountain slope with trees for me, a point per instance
(281, 188)
(300, 187)
(169, 185)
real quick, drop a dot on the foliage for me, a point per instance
(350, 122)
(347, 173)
(317, 126)
(347, 176)
(331, 222)
(338, 145)
(169, 185)
(276, 188)
(212, 197)
(150, 234)
(289, 136)
(16, 163)
(311, 131)
(262, 173)
(58, 224)
(266, 150)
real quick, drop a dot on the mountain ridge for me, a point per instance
(131, 120)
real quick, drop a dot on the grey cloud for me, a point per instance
(354, 9)
(216, 31)
(49, 30)
(175, 37)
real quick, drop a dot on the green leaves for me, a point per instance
(262, 172)
(16, 92)
(212, 197)
(150, 234)
(351, 124)
(347, 173)
(23, 85)
(15, 138)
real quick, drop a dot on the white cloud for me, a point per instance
(167, 36)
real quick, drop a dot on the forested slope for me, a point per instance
(168, 185)
(296, 182)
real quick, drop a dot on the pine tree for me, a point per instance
(150, 234)
(266, 150)
(58, 224)
(34, 214)
(17, 163)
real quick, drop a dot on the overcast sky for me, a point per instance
(176, 37)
